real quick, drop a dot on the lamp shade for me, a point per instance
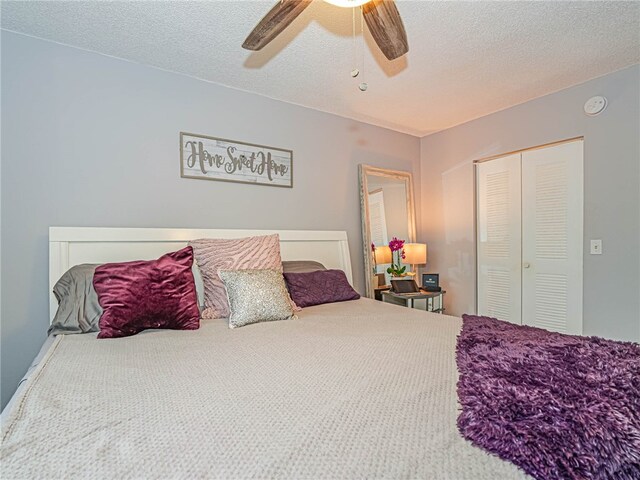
(383, 255)
(415, 253)
(347, 3)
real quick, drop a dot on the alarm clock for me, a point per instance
(431, 282)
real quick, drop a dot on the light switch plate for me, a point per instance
(596, 247)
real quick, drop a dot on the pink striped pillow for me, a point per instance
(214, 254)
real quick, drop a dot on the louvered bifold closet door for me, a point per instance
(499, 238)
(377, 218)
(552, 232)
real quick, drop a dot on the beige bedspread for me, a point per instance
(358, 389)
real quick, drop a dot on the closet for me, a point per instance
(529, 214)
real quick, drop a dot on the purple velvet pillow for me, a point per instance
(322, 286)
(147, 294)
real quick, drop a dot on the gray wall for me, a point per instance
(93, 141)
(611, 192)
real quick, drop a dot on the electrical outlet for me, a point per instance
(596, 247)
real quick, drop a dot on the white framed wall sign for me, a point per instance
(211, 158)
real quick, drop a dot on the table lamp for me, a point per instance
(415, 254)
(383, 255)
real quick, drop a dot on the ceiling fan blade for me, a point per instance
(274, 22)
(386, 27)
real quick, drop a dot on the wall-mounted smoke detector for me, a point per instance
(595, 105)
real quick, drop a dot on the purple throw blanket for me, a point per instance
(558, 406)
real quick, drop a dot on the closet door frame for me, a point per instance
(475, 205)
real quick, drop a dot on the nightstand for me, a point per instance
(379, 290)
(434, 301)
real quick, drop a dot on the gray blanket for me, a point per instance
(357, 389)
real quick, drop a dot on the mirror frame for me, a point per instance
(407, 177)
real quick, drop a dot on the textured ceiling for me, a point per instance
(466, 59)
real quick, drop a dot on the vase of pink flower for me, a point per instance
(373, 254)
(397, 255)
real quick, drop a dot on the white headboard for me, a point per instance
(69, 246)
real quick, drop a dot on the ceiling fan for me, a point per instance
(381, 16)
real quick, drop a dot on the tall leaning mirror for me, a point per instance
(388, 211)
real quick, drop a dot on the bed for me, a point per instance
(356, 389)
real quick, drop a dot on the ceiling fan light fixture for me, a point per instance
(381, 16)
(347, 3)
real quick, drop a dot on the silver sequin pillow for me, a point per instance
(256, 296)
